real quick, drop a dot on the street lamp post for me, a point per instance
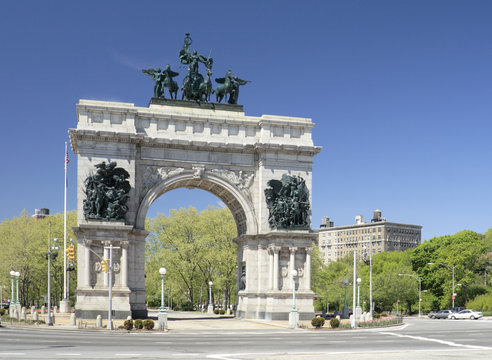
(345, 308)
(452, 271)
(162, 317)
(370, 281)
(293, 315)
(420, 287)
(210, 309)
(12, 296)
(17, 302)
(162, 271)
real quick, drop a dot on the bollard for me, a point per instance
(24, 314)
(43, 309)
(73, 319)
(55, 309)
(129, 317)
(99, 321)
(16, 314)
(53, 317)
(35, 317)
(33, 310)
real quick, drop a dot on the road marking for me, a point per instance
(450, 343)
(187, 354)
(127, 354)
(67, 354)
(164, 342)
(11, 354)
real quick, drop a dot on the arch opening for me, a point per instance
(238, 204)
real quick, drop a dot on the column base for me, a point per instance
(65, 307)
(293, 319)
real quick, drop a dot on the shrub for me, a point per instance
(216, 311)
(138, 323)
(128, 324)
(376, 316)
(187, 306)
(2, 311)
(384, 315)
(318, 321)
(334, 323)
(148, 324)
(222, 312)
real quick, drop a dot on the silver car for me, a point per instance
(466, 314)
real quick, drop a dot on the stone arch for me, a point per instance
(239, 205)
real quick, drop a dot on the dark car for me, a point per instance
(5, 305)
(441, 314)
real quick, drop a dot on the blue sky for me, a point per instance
(400, 91)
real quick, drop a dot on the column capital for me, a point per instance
(293, 249)
(87, 243)
(309, 250)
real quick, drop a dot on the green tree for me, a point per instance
(195, 248)
(462, 251)
(24, 244)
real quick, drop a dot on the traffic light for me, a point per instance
(104, 266)
(71, 253)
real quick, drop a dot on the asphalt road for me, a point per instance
(417, 339)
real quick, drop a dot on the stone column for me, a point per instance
(87, 264)
(270, 272)
(106, 257)
(124, 264)
(276, 251)
(307, 269)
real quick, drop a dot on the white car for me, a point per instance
(466, 314)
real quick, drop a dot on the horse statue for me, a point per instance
(163, 79)
(169, 83)
(206, 87)
(230, 85)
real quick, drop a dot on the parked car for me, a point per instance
(441, 314)
(466, 314)
(458, 309)
(5, 305)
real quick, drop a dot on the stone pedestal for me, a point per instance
(65, 307)
(293, 319)
(358, 312)
(210, 309)
(162, 320)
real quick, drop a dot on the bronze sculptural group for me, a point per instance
(288, 203)
(107, 193)
(195, 87)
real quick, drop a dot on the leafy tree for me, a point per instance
(24, 244)
(462, 251)
(195, 248)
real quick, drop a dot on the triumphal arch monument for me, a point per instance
(260, 167)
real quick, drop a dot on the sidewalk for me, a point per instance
(177, 321)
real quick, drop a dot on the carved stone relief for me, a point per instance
(243, 180)
(154, 174)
